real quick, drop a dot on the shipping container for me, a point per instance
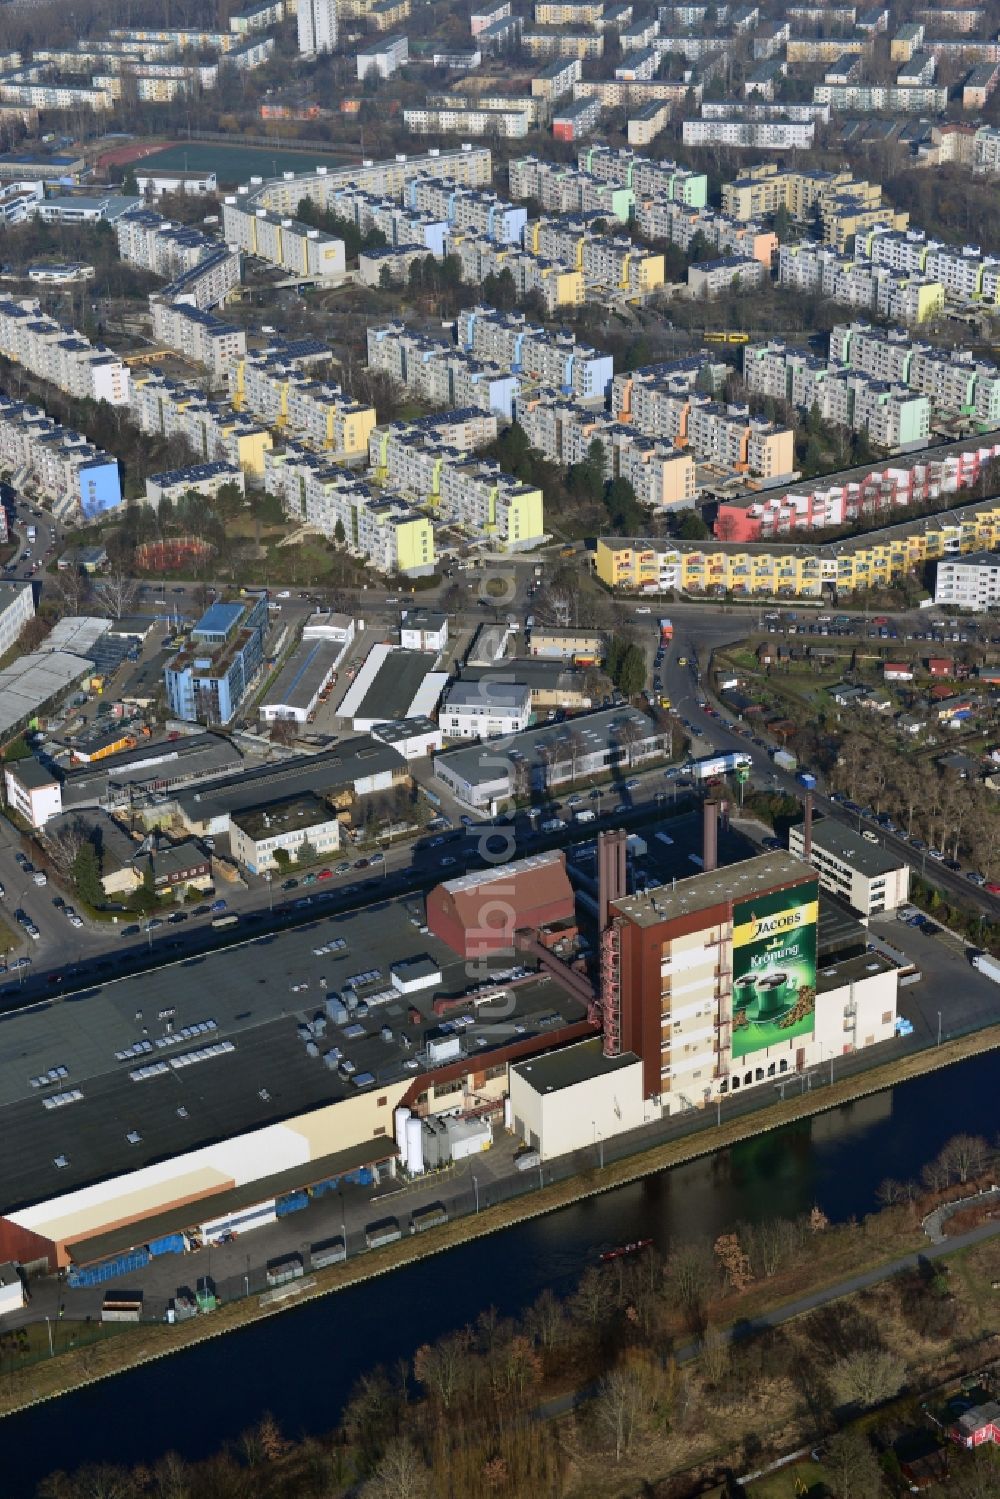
(327, 1252)
(95, 1275)
(429, 1217)
(784, 759)
(385, 1232)
(288, 1268)
(169, 1244)
(807, 779)
(294, 1202)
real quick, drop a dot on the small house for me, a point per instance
(897, 671)
(941, 666)
(978, 1425)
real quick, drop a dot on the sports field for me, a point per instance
(236, 164)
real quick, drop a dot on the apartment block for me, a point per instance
(644, 177)
(678, 224)
(980, 85)
(438, 372)
(763, 135)
(557, 79)
(711, 278)
(893, 416)
(64, 358)
(288, 243)
(969, 582)
(466, 208)
(279, 395)
(211, 428)
(197, 335)
(558, 43)
(731, 438)
(563, 189)
(871, 98)
(508, 339)
(81, 481)
(462, 117)
(389, 533)
(558, 284)
(460, 490)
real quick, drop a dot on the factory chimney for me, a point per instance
(807, 829)
(611, 876)
(710, 835)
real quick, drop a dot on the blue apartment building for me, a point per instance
(208, 681)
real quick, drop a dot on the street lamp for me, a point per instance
(475, 1184)
(599, 1142)
(270, 890)
(48, 1328)
(939, 1027)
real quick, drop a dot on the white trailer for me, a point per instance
(987, 965)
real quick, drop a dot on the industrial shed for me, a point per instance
(479, 913)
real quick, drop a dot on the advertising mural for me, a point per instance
(774, 968)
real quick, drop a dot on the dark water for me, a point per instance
(302, 1364)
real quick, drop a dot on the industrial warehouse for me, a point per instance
(216, 1094)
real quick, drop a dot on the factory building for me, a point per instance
(479, 913)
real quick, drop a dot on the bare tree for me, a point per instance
(442, 1367)
(624, 1400)
(71, 590)
(867, 1376)
(853, 1466)
(965, 1156)
(64, 844)
(400, 1473)
(116, 594)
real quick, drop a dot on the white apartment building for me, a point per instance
(971, 582)
(438, 372)
(761, 135)
(285, 242)
(460, 117)
(556, 359)
(81, 480)
(485, 709)
(461, 490)
(66, 359)
(317, 26)
(422, 630)
(198, 335)
(17, 606)
(212, 428)
(391, 534)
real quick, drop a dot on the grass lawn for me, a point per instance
(800, 1478)
(8, 940)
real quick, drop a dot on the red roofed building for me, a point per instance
(978, 1425)
(941, 666)
(898, 671)
(480, 912)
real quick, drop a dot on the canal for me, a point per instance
(301, 1365)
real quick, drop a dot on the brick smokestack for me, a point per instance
(611, 872)
(807, 828)
(710, 835)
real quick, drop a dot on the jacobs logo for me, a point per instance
(770, 926)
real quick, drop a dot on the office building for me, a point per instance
(209, 680)
(868, 877)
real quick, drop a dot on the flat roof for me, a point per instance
(219, 618)
(852, 971)
(247, 991)
(350, 761)
(869, 859)
(306, 810)
(31, 773)
(751, 877)
(571, 1065)
(394, 687)
(592, 732)
(396, 730)
(303, 674)
(155, 765)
